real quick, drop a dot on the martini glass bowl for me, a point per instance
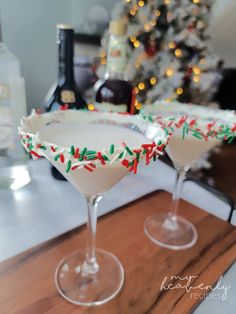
(93, 151)
(193, 131)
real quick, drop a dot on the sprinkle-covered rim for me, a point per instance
(201, 122)
(85, 157)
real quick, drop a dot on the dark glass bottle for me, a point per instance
(66, 94)
(114, 92)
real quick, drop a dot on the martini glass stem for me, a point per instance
(180, 177)
(90, 265)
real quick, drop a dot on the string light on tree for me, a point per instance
(153, 23)
(196, 70)
(196, 1)
(138, 105)
(132, 12)
(141, 3)
(136, 43)
(169, 72)
(153, 80)
(157, 13)
(132, 39)
(167, 2)
(141, 86)
(136, 90)
(178, 53)
(171, 45)
(196, 78)
(147, 27)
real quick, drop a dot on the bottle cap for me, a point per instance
(64, 26)
(118, 27)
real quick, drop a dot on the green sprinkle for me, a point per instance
(183, 133)
(90, 152)
(30, 147)
(131, 163)
(154, 157)
(43, 147)
(197, 135)
(68, 166)
(81, 159)
(105, 157)
(138, 156)
(159, 142)
(144, 151)
(57, 157)
(84, 150)
(72, 150)
(90, 157)
(112, 149)
(121, 155)
(128, 150)
(230, 139)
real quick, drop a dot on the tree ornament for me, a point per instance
(151, 47)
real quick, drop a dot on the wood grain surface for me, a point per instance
(27, 280)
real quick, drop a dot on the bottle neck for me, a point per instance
(66, 57)
(109, 74)
(116, 58)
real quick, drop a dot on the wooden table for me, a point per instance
(27, 284)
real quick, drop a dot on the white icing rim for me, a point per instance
(30, 137)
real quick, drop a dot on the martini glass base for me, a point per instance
(89, 289)
(172, 232)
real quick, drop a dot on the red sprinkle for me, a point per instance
(74, 167)
(34, 154)
(53, 149)
(99, 155)
(233, 128)
(125, 163)
(134, 167)
(192, 122)
(89, 169)
(62, 158)
(76, 154)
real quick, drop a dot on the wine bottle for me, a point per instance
(114, 92)
(65, 95)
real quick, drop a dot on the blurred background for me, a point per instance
(28, 28)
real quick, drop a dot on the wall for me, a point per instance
(223, 32)
(29, 31)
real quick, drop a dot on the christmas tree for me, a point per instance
(169, 55)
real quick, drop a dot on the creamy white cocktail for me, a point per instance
(184, 152)
(194, 130)
(93, 151)
(96, 178)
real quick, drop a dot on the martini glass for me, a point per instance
(93, 151)
(193, 131)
